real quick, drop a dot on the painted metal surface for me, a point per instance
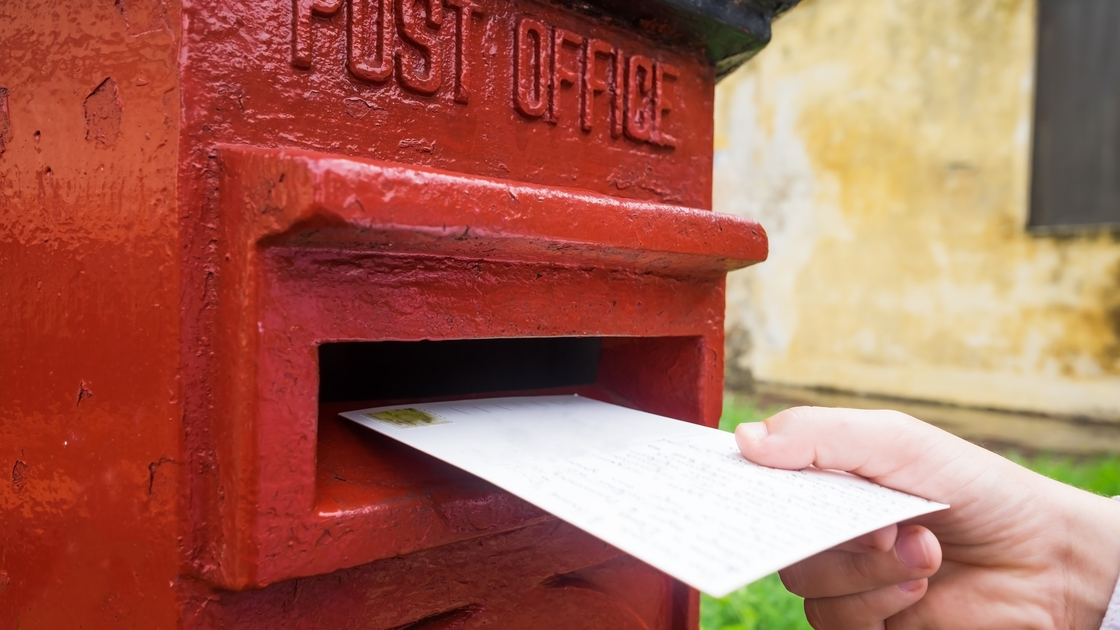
(91, 412)
(196, 197)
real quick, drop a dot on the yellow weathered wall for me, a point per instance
(885, 147)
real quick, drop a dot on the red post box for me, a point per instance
(226, 221)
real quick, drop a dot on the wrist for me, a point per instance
(1091, 561)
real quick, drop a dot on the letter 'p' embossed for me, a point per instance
(302, 15)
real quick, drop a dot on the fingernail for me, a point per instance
(911, 586)
(911, 550)
(754, 431)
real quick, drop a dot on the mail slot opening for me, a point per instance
(357, 468)
(410, 370)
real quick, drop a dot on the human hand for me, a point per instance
(1015, 550)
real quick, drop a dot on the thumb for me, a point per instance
(888, 447)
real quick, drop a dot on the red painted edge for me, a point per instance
(313, 199)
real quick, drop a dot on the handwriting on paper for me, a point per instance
(675, 495)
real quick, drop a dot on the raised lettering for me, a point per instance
(662, 73)
(303, 12)
(530, 68)
(618, 94)
(593, 84)
(427, 50)
(465, 11)
(370, 31)
(554, 69)
(639, 97)
(563, 73)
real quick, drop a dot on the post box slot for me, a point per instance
(395, 370)
(403, 500)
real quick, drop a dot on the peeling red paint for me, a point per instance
(102, 110)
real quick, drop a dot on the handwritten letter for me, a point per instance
(675, 495)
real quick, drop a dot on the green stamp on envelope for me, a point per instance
(406, 418)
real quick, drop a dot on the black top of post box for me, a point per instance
(732, 31)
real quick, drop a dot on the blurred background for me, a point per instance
(940, 182)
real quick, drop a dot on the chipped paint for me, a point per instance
(885, 146)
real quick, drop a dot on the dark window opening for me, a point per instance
(1076, 161)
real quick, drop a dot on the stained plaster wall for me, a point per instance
(885, 146)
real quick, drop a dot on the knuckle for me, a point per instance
(782, 419)
(813, 615)
(827, 614)
(859, 611)
(861, 570)
(793, 578)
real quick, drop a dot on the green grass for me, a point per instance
(737, 410)
(766, 605)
